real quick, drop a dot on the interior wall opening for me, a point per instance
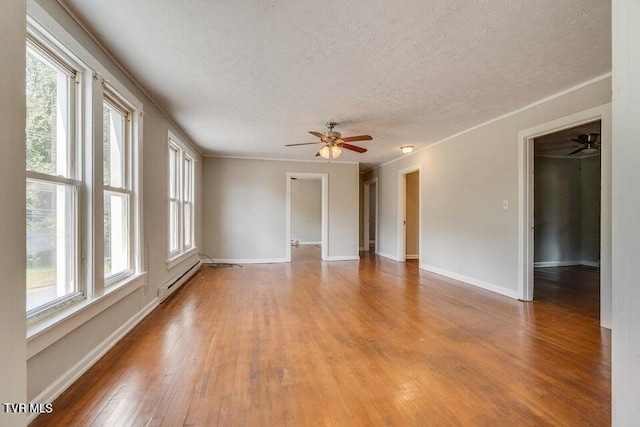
(412, 221)
(566, 218)
(306, 218)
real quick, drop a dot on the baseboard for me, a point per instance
(591, 263)
(246, 261)
(342, 258)
(57, 387)
(472, 281)
(542, 264)
(389, 256)
(412, 256)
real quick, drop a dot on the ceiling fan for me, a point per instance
(334, 142)
(589, 143)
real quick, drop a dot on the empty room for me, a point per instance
(319, 213)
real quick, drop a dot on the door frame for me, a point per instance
(402, 211)
(324, 223)
(526, 204)
(367, 213)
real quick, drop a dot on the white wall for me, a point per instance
(567, 210)
(306, 210)
(12, 190)
(50, 367)
(625, 337)
(463, 180)
(244, 203)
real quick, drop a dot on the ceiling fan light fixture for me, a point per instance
(330, 152)
(590, 150)
(406, 149)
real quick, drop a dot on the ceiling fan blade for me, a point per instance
(357, 138)
(304, 143)
(318, 134)
(577, 151)
(556, 148)
(352, 147)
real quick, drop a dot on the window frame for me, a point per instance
(118, 103)
(184, 155)
(93, 80)
(47, 49)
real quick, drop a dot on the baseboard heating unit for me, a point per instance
(165, 291)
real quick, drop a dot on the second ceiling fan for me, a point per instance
(334, 142)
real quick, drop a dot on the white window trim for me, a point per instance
(177, 256)
(49, 48)
(47, 329)
(115, 100)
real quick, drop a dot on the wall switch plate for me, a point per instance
(505, 204)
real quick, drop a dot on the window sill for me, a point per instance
(42, 333)
(172, 262)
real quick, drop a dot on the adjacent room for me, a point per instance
(304, 213)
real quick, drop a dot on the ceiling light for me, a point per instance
(330, 152)
(406, 149)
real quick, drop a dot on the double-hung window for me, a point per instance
(82, 201)
(116, 156)
(54, 181)
(181, 199)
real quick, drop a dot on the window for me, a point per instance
(53, 185)
(116, 148)
(78, 221)
(181, 199)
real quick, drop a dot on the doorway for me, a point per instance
(528, 226)
(409, 214)
(567, 198)
(370, 240)
(307, 214)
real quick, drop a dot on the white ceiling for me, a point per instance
(245, 78)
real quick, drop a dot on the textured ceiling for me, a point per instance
(245, 78)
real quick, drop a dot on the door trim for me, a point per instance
(402, 212)
(367, 214)
(324, 227)
(526, 193)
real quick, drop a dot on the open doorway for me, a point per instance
(409, 214)
(566, 218)
(370, 215)
(307, 216)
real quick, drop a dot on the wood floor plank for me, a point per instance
(369, 342)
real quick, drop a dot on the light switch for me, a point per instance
(505, 204)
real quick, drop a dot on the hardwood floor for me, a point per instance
(373, 342)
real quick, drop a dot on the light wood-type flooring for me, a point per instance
(351, 343)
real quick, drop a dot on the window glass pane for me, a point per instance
(48, 116)
(51, 237)
(187, 179)
(188, 225)
(173, 226)
(173, 172)
(116, 233)
(113, 146)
